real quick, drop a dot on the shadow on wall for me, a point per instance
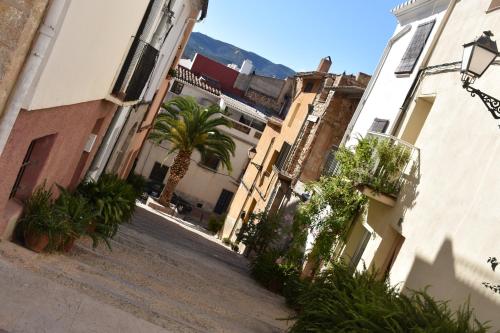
(409, 192)
(441, 277)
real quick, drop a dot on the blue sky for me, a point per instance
(297, 33)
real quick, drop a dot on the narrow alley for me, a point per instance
(159, 277)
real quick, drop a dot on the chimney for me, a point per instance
(246, 67)
(324, 65)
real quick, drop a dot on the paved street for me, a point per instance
(159, 277)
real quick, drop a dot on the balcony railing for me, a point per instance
(135, 71)
(240, 127)
(394, 162)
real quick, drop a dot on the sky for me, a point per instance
(298, 33)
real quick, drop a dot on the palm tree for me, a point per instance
(188, 126)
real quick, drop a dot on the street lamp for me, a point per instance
(251, 154)
(477, 57)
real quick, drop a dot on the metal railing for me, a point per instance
(135, 71)
(394, 162)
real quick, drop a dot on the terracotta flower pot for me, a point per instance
(36, 242)
(68, 244)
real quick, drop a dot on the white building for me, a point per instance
(167, 26)
(206, 185)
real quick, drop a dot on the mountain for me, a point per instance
(229, 54)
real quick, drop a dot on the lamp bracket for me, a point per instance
(491, 102)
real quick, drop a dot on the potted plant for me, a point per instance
(113, 201)
(171, 73)
(75, 211)
(39, 226)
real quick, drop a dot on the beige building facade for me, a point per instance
(207, 185)
(296, 150)
(442, 227)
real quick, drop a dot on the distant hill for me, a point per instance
(229, 54)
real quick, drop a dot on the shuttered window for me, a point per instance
(280, 162)
(414, 50)
(495, 4)
(379, 125)
(223, 202)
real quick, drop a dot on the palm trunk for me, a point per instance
(177, 171)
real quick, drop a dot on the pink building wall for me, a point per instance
(72, 125)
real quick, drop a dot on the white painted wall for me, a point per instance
(87, 54)
(450, 217)
(388, 91)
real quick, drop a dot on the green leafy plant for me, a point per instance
(113, 201)
(39, 219)
(75, 211)
(138, 183)
(260, 232)
(343, 300)
(215, 224)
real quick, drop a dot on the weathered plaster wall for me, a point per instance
(19, 21)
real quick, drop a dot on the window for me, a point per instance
(495, 4)
(31, 167)
(379, 125)
(285, 150)
(309, 87)
(331, 162)
(211, 162)
(258, 125)
(177, 87)
(158, 173)
(223, 202)
(415, 48)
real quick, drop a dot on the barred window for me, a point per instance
(414, 50)
(331, 162)
(177, 87)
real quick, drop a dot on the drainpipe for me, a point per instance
(40, 49)
(373, 80)
(404, 108)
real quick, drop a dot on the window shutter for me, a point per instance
(495, 4)
(280, 162)
(379, 125)
(415, 48)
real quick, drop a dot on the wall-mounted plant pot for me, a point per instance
(36, 242)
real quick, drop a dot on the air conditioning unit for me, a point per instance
(90, 142)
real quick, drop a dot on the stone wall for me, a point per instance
(264, 100)
(19, 21)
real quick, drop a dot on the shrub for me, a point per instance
(341, 300)
(113, 201)
(226, 240)
(75, 211)
(215, 224)
(260, 233)
(138, 183)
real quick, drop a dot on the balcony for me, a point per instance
(394, 163)
(135, 71)
(243, 131)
